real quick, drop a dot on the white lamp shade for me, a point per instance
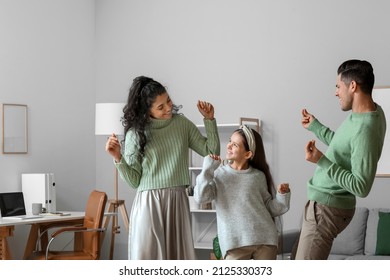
(108, 118)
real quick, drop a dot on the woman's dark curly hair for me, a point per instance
(136, 113)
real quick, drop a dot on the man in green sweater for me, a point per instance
(348, 167)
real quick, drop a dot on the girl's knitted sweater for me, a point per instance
(244, 206)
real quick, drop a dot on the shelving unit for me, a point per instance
(204, 222)
(204, 228)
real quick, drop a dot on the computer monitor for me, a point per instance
(12, 204)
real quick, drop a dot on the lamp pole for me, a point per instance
(108, 121)
(113, 206)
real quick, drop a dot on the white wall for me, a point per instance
(251, 58)
(264, 59)
(47, 62)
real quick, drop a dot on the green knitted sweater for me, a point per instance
(166, 159)
(348, 167)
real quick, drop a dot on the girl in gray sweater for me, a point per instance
(245, 198)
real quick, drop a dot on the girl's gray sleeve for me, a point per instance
(205, 188)
(279, 205)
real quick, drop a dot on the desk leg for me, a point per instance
(31, 241)
(5, 254)
(5, 232)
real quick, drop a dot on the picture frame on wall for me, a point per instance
(14, 129)
(381, 96)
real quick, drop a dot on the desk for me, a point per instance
(39, 225)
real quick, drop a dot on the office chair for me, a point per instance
(90, 230)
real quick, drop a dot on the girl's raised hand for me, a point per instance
(284, 188)
(215, 157)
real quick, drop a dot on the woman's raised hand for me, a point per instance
(206, 109)
(113, 147)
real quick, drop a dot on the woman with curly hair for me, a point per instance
(155, 163)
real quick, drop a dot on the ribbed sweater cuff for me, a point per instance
(315, 125)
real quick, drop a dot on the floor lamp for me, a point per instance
(108, 121)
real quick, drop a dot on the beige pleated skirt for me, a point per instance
(160, 226)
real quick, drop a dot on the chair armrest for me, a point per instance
(46, 231)
(70, 229)
(74, 229)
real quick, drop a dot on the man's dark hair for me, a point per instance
(359, 71)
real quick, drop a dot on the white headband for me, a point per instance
(250, 139)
